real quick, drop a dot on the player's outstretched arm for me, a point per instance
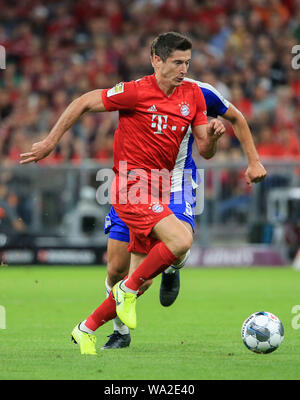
(91, 101)
(206, 137)
(255, 171)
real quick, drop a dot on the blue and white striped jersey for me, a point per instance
(184, 172)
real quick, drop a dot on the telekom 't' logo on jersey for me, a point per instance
(159, 122)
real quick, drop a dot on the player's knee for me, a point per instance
(180, 263)
(116, 269)
(184, 243)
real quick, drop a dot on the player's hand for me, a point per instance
(39, 150)
(255, 173)
(215, 129)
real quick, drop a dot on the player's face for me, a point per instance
(174, 69)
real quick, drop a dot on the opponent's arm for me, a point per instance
(206, 137)
(255, 171)
(91, 101)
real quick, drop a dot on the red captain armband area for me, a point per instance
(122, 96)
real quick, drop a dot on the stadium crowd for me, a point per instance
(58, 50)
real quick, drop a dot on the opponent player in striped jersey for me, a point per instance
(184, 181)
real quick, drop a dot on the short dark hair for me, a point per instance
(164, 44)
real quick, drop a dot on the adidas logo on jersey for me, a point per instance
(152, 108)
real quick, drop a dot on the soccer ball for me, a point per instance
(262, 332)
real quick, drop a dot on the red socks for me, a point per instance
(104, 313)
(158, 259)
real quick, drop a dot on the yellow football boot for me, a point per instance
(86, 341)
(125, 306)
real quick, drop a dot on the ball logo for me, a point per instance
(157, 208)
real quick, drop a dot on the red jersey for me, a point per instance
(152, 124)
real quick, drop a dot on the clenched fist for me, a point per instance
(215, 129)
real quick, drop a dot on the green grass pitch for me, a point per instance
(198, 338)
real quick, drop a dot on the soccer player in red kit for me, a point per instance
(152, 122)
(154, 115)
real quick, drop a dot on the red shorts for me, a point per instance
(139, 216)
(141, 219)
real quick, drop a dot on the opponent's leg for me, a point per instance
(118, 261)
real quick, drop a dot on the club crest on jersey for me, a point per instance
(184, 109)
(157, 208)
(117, 89)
